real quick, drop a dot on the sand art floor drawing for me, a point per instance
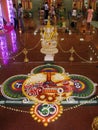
(49, 88)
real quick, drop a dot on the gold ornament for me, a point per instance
(95, 123)
(25, 51)
(71, 58)
(72, 50)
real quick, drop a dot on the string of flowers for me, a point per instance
(66, 109)
(14, 109)
(84, 103)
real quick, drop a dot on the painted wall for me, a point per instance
(36, 5)
(35, 10)
(67, 5)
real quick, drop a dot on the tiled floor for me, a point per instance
(12, 57)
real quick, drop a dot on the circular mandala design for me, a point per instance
(46, 113)
(83, 86)
(12, 87)
(47, 87)
(48, 68)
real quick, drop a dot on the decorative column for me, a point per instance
(6, 14)
(10, 11)
(1, 17)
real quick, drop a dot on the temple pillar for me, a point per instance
(4, 10)
(6, 7)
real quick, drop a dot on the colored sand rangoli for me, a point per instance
(47, 86)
